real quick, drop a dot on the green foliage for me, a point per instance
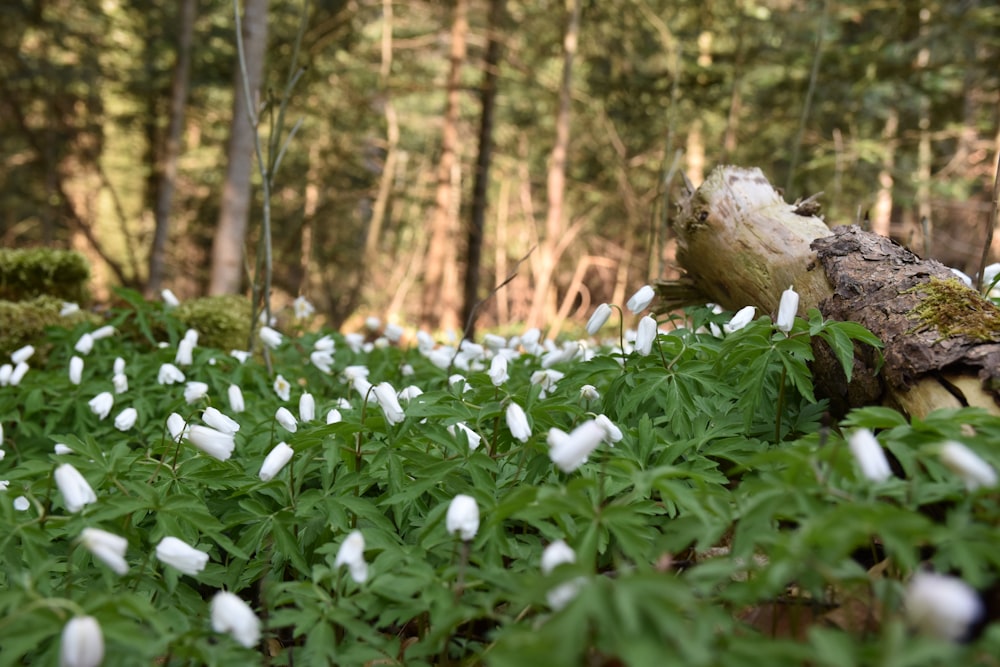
(724, 496)
(34, 272)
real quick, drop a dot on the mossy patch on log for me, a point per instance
(221, 321)
(953, 309)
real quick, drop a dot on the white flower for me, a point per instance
(119, 365)
(588, 392)
(547, 380)
(463, 517)
(302, 308)
(75, 369)
(213, 442)
(333, 416)
(498, 370)
(282, 388)
(325, 344)
(75, 490)
(275, 461)
(344, 404)
(641, 299)
(60, 449)
(612, 433)
(473, 437)
(185, 353)
(232, 615)
(126, 419)
(372, 323)
(570, 450)
(169, 298)
(517, 422)
(352, 554)
(6, 370)
(322, 359)
(459, 379)
(743, 317)
(355, 341)
(18, 373)
(965, 463)
(21, 504)
(598, 319)
(645, 335)
(195, 391)
(239, 355)
(85, 344)
(389, 402)
(69, 308)
(555, 555)
(82, 644)
(236, 403)
(101, 404)
(103, 332)
(106, 547)
(307, 407)
(219, 421)
(410, 392)
(120, 383)
(393, 332)
(868, 453)
(425, 342)
(940, 605)
(287, 419)
(181, 555)
(169, 374)
(22, 354)
(270, 337)
(786, 310)
(177, 426)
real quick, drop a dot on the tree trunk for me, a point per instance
(742, 244)
(230, 235)
(881, 218)
(172, 148)
(474, 242)
(439, 307)
(548, 255)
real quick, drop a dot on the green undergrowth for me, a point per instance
(730, 498)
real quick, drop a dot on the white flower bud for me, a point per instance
(645, 335)
(965, 463)
(179, 554)
(106, 547)
(287, 419)
(743, 317)
(517, 422)
(82, 643)
(463, 517)
(641, 299)
(232, 615)
(213, 442)
(787, 309)
(75, 490)
(940, 605)
(868, 453)
(275, 461)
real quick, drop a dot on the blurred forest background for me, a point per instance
(438, 143)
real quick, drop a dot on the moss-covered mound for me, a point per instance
(24, 322)
(221, 321)
(31, 272)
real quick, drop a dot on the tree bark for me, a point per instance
(548, 250)
(474, 238)
(172, 148)
(231, 232)
(742, 244)
(439, 307)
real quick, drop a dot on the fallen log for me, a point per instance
(740, 243)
